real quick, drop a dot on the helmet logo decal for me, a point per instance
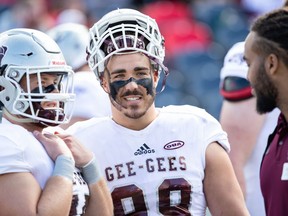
(56, 62)
(3, 50)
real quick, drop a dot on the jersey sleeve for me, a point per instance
(12, 157)
(213, 132)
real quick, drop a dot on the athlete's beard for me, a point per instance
(266, 92)
(133, 111)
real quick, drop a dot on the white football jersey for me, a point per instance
(158, 170)
(20, 151)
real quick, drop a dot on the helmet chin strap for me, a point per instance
(16, 118)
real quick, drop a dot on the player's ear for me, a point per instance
(155, 71)
(104, 84)
(271, 63)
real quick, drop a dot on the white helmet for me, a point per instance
(234, 63)
(25, 53)
(72, 38)
(124, 30)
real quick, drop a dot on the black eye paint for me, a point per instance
(146, 83)
(46, 89)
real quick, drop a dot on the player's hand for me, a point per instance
(81, 154)
(53, 145)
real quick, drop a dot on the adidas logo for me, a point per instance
(144, 149)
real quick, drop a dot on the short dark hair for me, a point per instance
(285, 3)
(272, 29)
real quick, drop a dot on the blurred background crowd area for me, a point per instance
(198, 33)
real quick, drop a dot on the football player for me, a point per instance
(266, 56)
(247, 130)
(157, 161)
(36, 91)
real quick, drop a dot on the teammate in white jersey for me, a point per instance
(247, 130)
(35, 92)
(167, 161)
(91, 100)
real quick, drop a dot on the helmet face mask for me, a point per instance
(122, 31)
(23, 86)
(123, 42)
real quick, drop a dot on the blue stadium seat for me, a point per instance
(195, 81)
